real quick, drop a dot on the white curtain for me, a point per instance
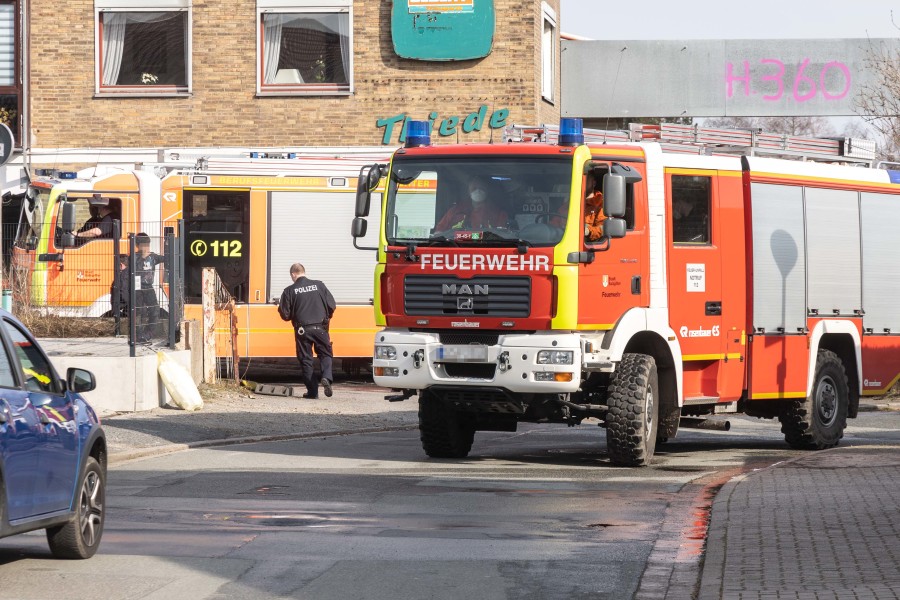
(344, 34)
(113, 45)
(272, 27)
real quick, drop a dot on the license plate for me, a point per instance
(462, 353)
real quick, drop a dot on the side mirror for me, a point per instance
(614, 195)
(374, 176)
(80, 380)
(369, 177)
(614, 227)
(67, 217)
(629, 173)
(359, 227)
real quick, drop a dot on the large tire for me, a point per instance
(444, 432)
(818, 422)
(632, 422)
(80, 537)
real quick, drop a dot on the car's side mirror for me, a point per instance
(80, 380)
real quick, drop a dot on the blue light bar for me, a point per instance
(571, 132)
(67, 174)
(894, 175)
(418, 133)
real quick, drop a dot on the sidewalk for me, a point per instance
(825, 525)
(232, 415)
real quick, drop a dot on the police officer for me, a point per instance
(308, 305)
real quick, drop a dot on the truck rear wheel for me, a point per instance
(631, 422)
(818, 422)
(444, 432)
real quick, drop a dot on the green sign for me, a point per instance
(442, 29)
(448, 126)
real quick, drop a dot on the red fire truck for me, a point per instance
(726, 281)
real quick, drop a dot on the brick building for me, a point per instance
(254, 73)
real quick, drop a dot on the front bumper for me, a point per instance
(510, 364)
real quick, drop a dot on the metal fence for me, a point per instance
(87, 278)
(148, 289)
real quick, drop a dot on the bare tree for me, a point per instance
(878, 103)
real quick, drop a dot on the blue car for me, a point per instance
(52, 448)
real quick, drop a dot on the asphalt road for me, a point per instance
(535, 514)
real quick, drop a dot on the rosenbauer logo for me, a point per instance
(485, 262)
(692, 333)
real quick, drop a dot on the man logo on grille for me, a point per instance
(465, 303)
(465, 289)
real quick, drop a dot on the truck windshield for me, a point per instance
(486, 201)
(31, 219)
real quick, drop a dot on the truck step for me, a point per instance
(693, 400)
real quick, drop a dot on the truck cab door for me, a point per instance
(617, 279)
(695, 279)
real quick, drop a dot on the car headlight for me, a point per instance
(555, 357)
(385, 352)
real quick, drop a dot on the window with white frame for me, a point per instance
(305, 46)
(143, 46)
(548, 53)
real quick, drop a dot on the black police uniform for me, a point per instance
(308, 305)
(146, 305)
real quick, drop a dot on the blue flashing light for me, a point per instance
(894, 175)
(571, 132)
(255, 155)
(418, 133)
(67, 174)
(292, 155)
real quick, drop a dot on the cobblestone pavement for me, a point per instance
(824, 526)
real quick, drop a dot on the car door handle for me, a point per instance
(713, 309)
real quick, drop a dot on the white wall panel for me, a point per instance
(833, 251)
(880, 225)
(313, 228)
(779, 264)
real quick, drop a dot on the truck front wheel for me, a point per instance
(445, 433)
(632, 422)
(818, 422)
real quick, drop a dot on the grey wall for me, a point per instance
(709, 78)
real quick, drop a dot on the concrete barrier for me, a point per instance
(124, 384)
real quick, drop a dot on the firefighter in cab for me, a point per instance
(308, 305)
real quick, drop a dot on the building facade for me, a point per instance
(274, 73)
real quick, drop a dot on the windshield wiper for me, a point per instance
(435, 239)
(493, 236)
